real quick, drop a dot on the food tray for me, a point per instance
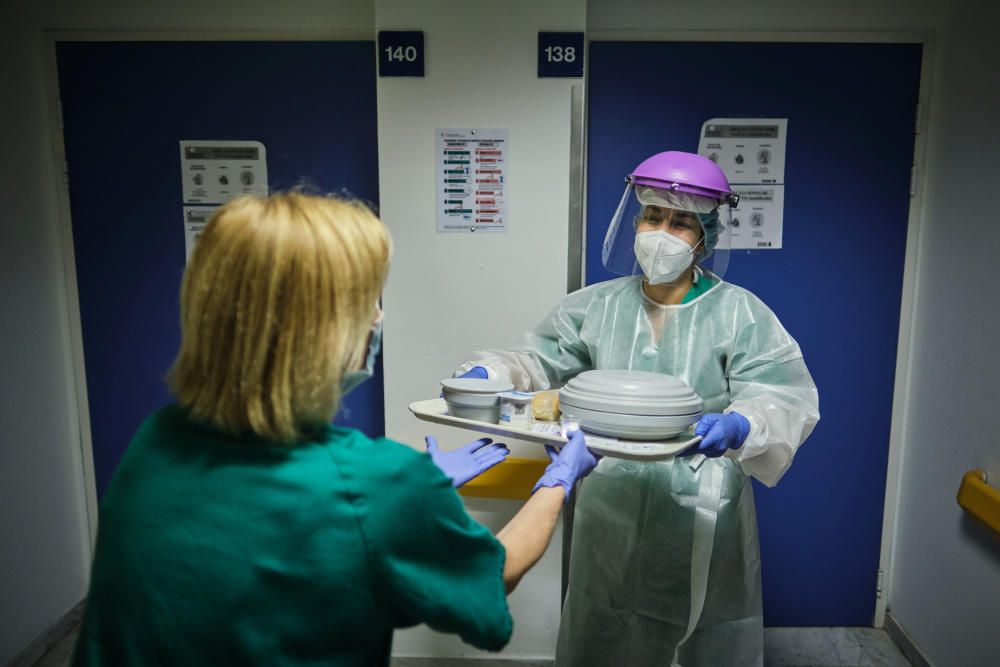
(550, 433)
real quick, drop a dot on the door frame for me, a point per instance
(80, 406)
(914, 235)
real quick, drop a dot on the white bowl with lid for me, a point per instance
(474, 398)
(634, 405)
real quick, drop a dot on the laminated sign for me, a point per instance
(471, 180)
(751, 152)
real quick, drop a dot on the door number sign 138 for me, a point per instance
(560, 54)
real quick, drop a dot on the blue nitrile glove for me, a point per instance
(468, 462)
(719, 432)
(574, 461)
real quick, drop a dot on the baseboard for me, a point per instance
(469, 662)
(44, 642)
(905, 643)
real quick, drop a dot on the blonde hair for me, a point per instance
(276, 305)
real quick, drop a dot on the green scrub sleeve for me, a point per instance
(433, 563)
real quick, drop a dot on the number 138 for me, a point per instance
(560, 54)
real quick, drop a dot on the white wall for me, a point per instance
(946, 570)
(45, 557)
(45, 551)
(762, 15)
(449, 294)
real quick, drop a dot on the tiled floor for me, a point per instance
(783, 647)
(822, 647)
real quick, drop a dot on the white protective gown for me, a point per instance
(665, 564)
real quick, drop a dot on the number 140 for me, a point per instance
(399, 54)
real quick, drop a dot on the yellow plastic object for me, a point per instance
(513, 480)
(979, 499)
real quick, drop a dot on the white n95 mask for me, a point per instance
(662, 256)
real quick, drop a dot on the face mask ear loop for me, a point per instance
(701, 242)
(697, 272)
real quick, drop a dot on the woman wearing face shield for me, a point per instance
(665, 555)
(241, 527)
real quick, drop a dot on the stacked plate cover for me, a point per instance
(474, 398)
(633, 405)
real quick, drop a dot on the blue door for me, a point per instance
(126, 106)
(836, 284)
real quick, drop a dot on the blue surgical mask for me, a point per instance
(352, 379)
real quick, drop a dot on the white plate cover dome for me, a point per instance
(631, 393)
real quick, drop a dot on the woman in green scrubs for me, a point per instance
(241, 527)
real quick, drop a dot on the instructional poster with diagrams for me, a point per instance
(751, 152)
(471, 180)
(213, 172)
(195, 219)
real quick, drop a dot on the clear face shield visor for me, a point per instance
(699, 221)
